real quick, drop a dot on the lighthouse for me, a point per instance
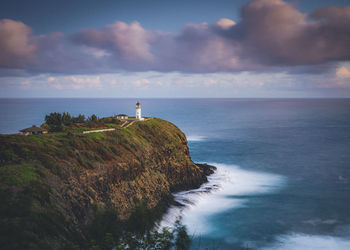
(138, 111)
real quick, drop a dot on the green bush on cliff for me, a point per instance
(183, 240)
(105, 226)
(107, 232)
(18, 175)
(164, 239)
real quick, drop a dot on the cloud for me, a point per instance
(57, 54)
(75, 82)
(16, 45)
(225, 23)
(342, 77)
(141, 82)
(274, 32)
(177, 84)
(128, 43)
(98, 53)
(197, 48)
(271, 35)
(343, 72)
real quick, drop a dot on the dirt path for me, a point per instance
(123, 124)
(127, 125)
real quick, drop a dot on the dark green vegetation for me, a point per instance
(69, 190)
(58, 122)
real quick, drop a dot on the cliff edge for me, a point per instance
(53, 187)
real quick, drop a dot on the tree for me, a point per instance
(183, 240)
(54, 121)
(80, 118)
(109, 242)
(164, 240)
(66, 119)
(93, 118)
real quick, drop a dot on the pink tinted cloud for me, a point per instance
(16, 45)
(198, 48)
(274, 32)
(271, 34)
(128, 43)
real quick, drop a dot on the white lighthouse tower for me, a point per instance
(138, 111)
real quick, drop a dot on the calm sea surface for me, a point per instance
(283, 179)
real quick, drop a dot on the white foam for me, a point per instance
(305, 241)
(195, 138)
(216, 196)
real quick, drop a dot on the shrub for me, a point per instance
(93, 118)
(8, 155)
(183, 241)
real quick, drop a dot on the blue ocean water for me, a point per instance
(283, 165)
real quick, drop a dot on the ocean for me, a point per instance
(283, 165)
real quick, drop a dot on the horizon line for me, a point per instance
(128, 98)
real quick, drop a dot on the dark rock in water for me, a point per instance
(206, 168)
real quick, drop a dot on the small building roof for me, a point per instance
(122, 115)
(33, 129)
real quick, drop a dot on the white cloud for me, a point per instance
(26, 84)
(176, 84)
(57, 86)
(51, 79)
(343, 72)
(225, 23)
(75, 82)
(141, 82)
(210, 82)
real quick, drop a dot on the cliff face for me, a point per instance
(51, 185)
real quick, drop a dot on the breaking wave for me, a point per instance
(218, 195)
(305, 241)
(195, 138)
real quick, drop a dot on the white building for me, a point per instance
(122, 117)
(138, 111)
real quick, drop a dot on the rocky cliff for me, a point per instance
(53, 187)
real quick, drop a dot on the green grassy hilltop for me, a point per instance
(66, 189)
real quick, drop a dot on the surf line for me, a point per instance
(228, 188)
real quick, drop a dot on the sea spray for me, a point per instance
(299, 241)
(229, 187)
(195, 138)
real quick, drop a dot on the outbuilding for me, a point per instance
(122, 117)
(33, 130)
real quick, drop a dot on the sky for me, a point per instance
(161, 48)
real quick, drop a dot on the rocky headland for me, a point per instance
(62, 190)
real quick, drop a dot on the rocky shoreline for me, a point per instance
(207, 169)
